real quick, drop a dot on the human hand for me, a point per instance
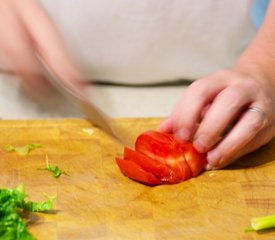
(228, 114)
(25, 32)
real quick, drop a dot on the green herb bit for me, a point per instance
(23, 150)
(12, 201)
(54, 170)
(261, 223)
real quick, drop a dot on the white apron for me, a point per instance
(149, 41)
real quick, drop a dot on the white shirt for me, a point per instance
(153, 40)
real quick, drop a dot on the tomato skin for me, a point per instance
(159, 158)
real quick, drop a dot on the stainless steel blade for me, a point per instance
(75, 95)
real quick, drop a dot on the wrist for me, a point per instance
(258, 65)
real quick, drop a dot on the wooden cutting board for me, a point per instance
(97, 202)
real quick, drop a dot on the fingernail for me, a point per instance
(213, 158)
(202, 143)
(208, 167)
(183, 134)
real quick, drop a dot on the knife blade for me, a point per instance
(93, 113)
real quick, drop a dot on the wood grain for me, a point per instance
(97, 202)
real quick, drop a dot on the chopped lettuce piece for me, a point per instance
(12, 224)
(22, 150)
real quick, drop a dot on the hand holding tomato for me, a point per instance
(159, 158)
(231, 113)
(226, 115)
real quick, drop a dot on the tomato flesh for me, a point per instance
(134, 171)
(148, 164)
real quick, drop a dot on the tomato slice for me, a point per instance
(148, 164)
(195, 160)
(160, 146)
(134, 171)
(181, 171)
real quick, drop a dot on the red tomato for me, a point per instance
(160, 156)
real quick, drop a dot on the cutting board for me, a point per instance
(97, 202)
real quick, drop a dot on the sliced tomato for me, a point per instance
(160, 158)
(134, 171)
(179, 172)
(160, 146)
(195, 160)
(148, 164)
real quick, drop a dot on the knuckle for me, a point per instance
(233, 99)
(233, 105)
(198, 85)
(199, 88)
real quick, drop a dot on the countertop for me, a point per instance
(98, 202)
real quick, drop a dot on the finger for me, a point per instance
(17, 50)
(243, 132)
(262, 138)
(5, 64)
(187, 113)
(15, 45)
(224, 110)
(166, 126)
(204, 111)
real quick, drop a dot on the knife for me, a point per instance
(74, 93)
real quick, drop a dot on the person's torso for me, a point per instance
(153, 40)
